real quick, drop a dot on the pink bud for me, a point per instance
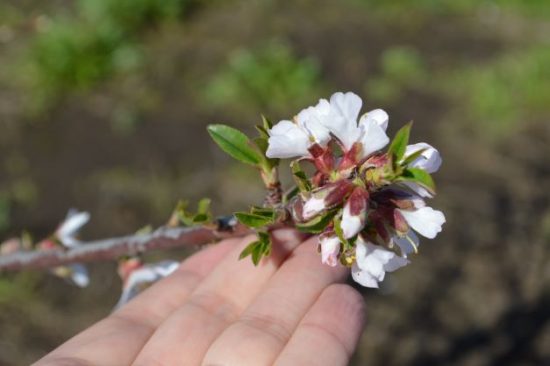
(330, 248)
(127, 266)
(355, 212)
(322, 158)
(325, 198)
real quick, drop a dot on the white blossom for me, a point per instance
(408, 243)
(429, 160)
(372, 263)
(354, 213)
(423, 219)
(370, 131)
(68, 229)
(313, 125)
(144, 276)
(330, 247)
(293, 139)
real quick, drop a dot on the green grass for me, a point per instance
(100, 39)
(506, 94)
(270, 77)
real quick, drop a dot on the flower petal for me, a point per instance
(426, 221)
(287, 140)
(417, 189)
(379, 116)
(79, 275)
(373, 136)
(346, 105)
(430, 160)
(408, 243)
(68, 228)
(362, 277)
(314, 121)
(166, 268)
(313, 206)
(330, 247)
(372, 263)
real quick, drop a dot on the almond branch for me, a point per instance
(112, 248)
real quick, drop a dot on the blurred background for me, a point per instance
(104, 104)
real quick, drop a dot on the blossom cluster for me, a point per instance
(366, 205)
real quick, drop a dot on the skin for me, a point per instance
(217, 310)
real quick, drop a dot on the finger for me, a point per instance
(119, 337)
(328, 334)
(186, 335)
(263, 329)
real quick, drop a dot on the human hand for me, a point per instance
(217, 310)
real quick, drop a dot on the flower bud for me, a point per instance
(325, 198)
(330, 248)
(355, 212)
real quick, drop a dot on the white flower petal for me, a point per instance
(314, 121)
(330, 247)
(379, 116)
(418, 189)
(426, 221)
(362, 277)
(287, 140)
(137, 280)
(166, 268)
(68, 228)
(373, 136)
(351, 224)
(372, 263)
(346, 105)
(407, 243)
(79, 275)
(430, 160)
(313, 206)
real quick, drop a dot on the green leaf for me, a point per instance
(203, 207)
(235, 143)
(412, 157)
(249, 249)
(267, 125)
(258, 248)
(265, 246)
(399, 143)
(300, 177)
(262, 131)
(338, 230)
(419, 176)
(253, 220)
(290, 194)
(263, 211)
(318, 224)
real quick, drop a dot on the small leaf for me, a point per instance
(203, 207)
(419, 176)
(253, 220)
(399, 143)
(263, 211)
(413, 157)
(318, 224)
(290, 194)
(200, 218)
(339, 231)
(262, 131)
(267, 125)
(265, 241)
(249, 249)
(235, 143)
(300, 177)
(257, 254)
